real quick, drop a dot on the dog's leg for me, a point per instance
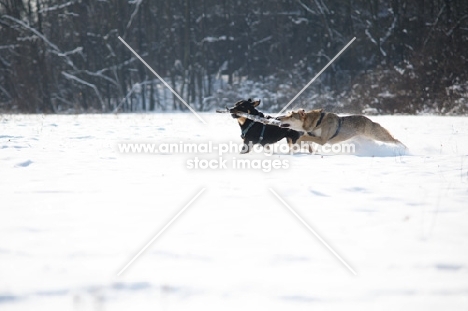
(246, 147)
(309, 140)
(290, 144)
(318, 140)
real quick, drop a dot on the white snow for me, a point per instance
(74, 211)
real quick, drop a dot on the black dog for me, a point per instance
(256, 132)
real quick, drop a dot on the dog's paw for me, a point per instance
(245, 149)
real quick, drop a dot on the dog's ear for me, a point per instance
(256, 103)
(302, 114)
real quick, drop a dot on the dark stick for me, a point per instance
(252, 117)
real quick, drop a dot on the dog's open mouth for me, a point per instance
(285, 125)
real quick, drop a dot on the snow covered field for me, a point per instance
(74, 210)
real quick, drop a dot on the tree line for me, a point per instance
(65, 56)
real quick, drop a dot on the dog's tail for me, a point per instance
(382, 134)
(401, 144)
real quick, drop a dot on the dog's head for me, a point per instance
(293, 120)
(246, 106)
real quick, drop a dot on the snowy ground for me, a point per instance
(74, 211)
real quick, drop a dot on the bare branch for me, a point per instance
(56, 7)
(135, 12)
(433, 26)
(55, 48)
(74, 78)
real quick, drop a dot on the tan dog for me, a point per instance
(327, 127)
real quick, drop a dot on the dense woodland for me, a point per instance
(410, 56)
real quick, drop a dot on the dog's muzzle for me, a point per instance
(233, 113)
(282, 124)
